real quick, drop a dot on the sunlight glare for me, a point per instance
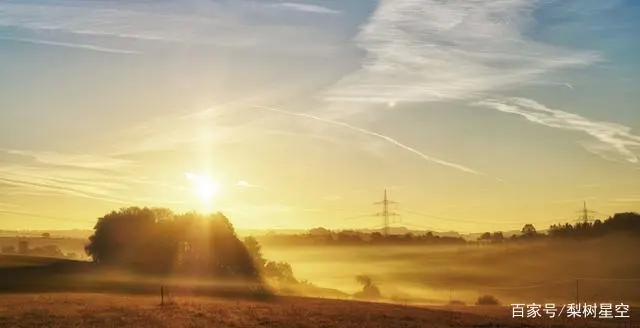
(204, 187)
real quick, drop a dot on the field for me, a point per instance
(110, 310)
(45, 292)
(607, 270)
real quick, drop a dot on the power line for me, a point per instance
(585, 214)
(386, 215)
(443, 218)
(356, 217)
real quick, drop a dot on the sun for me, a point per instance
(204, 187)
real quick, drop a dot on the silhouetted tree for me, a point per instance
(319, 232)
(620, 222)
(157, 241)
(369, 289)
(487, 300)
(118, 234)
(528, 230)
(485, 236)
(281, 272)
(255, 250)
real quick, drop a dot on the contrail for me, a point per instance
(378, 135)
(73, 45)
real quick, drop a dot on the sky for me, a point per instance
(474, 115)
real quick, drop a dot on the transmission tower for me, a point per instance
(585, 214)
(386, 215)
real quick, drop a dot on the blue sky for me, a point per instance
(491, 113)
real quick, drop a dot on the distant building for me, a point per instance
(23, 247)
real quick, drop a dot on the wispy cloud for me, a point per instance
(38, 181)
(614, 141)
(258, 210)
(8, 206)
(219, 123)
(333, 198)
(73, 45)
(91, 177)
(577, 201)
(376, 135)
(291, 134)
(632, 199)
(246, 184)
(432, 50)
(307, 8)
(40, 216)
(75, 160)
(227, 24)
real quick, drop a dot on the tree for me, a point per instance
(319, 232)
(281, 271)
(497, 236)
(487, 300)
(254, 248)
(369, 289)
(120, 237)
(154, 240)
(528, 230)
(485, 236)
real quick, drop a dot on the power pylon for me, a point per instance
(585, 214)
(386, 215)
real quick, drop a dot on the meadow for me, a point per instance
(604, 270)
(112, 310)
(417, 283)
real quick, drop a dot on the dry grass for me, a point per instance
(109, 310)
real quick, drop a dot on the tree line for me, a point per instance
(626, 223)
(158, 241)
(323, 236)
(620, 222)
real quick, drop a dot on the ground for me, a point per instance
(68, 310)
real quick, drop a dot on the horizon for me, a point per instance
(293, 115)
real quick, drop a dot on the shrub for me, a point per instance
(487, 300)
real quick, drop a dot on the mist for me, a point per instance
(532, 272)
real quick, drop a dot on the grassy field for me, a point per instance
(514, 273)
(46, 292)
(110, 310)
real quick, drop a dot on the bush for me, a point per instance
(487, 300)
(369, 289)
(456, 303)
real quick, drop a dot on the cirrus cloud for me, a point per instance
(432, 50)
(613, 141)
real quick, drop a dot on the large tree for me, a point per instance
(157, 241)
